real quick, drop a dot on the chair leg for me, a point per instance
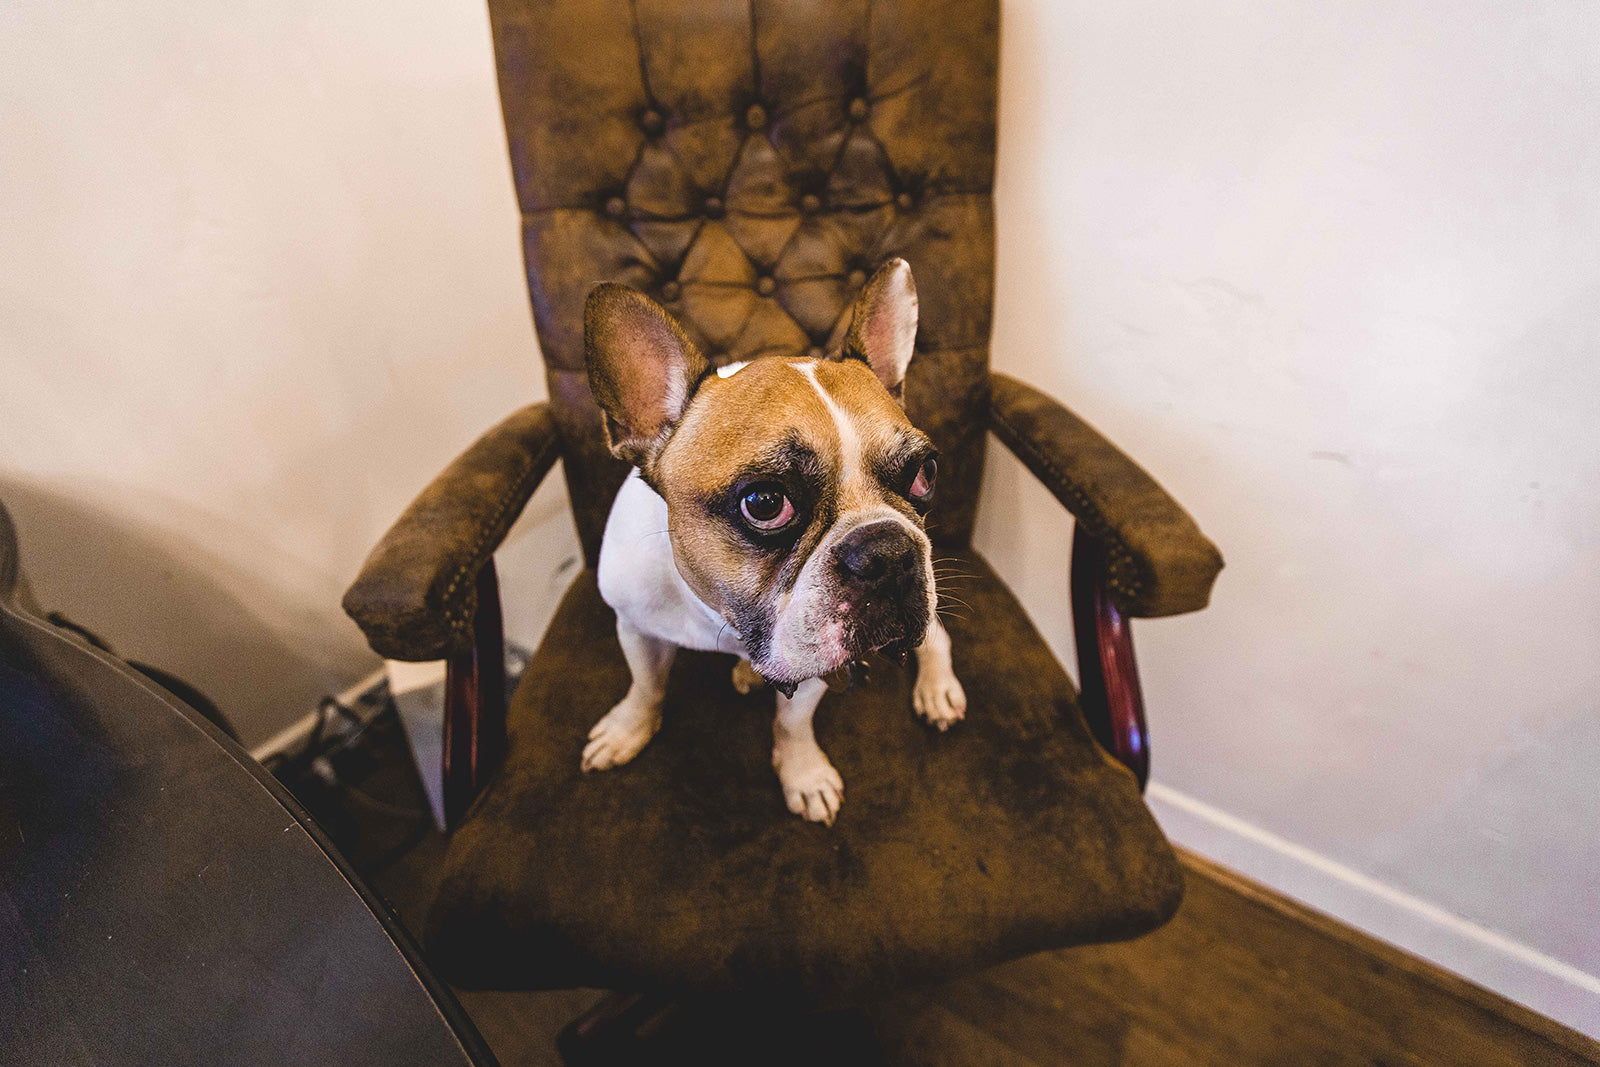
(614, 1031)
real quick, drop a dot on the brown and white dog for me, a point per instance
(775, 512)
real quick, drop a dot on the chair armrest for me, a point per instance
(1157, 560)
(415, 596)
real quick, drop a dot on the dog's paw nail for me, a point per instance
(822, 806)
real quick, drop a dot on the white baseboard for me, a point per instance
(1496, 962)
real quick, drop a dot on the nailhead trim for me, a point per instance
(456, 612)
(1123, 565)
(459, 617)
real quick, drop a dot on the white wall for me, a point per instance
(1332, 273)
(259, 280)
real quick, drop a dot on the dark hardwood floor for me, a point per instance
(1240, 976)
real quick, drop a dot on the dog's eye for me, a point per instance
(921, 490)
(766, 507)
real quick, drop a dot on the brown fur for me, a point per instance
(773, 401)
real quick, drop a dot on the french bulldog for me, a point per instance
(775, 511)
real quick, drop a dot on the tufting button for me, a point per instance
(671, 290)
(858, 108)
(814, 352)
(905, 201)
(765, 285)
(857, 279)
(811, 203)
(713, 207)
(651, 121)
(756, 117)
(615, 207)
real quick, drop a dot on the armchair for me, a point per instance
(749, 165)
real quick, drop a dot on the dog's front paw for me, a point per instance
(811, 787)
(620, 734)
(938, 696)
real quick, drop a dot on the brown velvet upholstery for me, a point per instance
(749, 164)
(1009, 834)
(1159, 563)
(417, 591)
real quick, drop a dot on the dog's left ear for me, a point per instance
(883, 328)
(643, 370)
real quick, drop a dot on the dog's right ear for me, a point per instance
(642, 369)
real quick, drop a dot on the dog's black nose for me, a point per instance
(877, 556)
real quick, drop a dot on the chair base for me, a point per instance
(626, 1029)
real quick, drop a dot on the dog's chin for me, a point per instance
(894, 638)
(786, 677)
(889, 631)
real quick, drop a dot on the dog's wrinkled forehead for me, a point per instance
(774, 410)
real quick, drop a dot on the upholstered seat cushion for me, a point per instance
(1010, 834)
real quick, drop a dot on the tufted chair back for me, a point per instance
(748, 163)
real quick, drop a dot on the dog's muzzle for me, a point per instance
(880, 574)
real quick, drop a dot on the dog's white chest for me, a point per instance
(641, 583)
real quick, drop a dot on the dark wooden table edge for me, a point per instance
(1445, 981)
(466, 1032)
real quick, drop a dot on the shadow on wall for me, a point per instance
(262, 654)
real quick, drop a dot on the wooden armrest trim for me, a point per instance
(1108, 675)
(475, 703)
